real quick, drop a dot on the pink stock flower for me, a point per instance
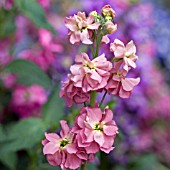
(72, 93)
(119, 85)
(62, 150)
(27, 101)
(107, 11)
(126, 53)
(95, 129)
(80, 28)
(90, 75)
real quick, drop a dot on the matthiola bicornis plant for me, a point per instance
(94, 129)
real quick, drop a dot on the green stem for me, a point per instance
(83, 166)
(98, 41)
(85, 104)
(102, 99)
(92, 50)
(92, 98)
(103, 161)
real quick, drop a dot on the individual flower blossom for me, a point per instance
(90, 75)
(27, 101)
(119, 85)
(108, 12)
(95, 129)
(72, 93)
(110, 27)
(62, 150)
(126, 53)
(81, 27)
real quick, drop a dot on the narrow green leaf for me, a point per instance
(53, 110)
(28, 73)
(33, 10)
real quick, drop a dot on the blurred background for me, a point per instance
(35, 55)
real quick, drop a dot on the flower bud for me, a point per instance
(94, 13)
(110, 27)
(108, 13)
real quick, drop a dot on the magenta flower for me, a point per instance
(80, 28)
(121, 86)
(90, 75)
(95, 129)
(72, 93)
(27, 101)
(62, 150)
(126, 53)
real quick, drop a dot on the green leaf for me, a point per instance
(53, 110)
(34, 12)
(146, 161)
(28, 73)
(24, 135)
(9, 159)
(7, 25)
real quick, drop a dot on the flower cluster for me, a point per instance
(94, 129)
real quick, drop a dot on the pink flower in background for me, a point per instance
(126, 53)
(62, 150)
(72, 93)
(44, 3)
(27, 101)
(95, 129)
(44, 59)
(47, 41)
(90, 75)
(8, 80)
(119, 85)
(7, 4)
(80, 28)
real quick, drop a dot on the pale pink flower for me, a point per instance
(72, 93)
(90, 75)
(110, 27)
(107, 11)
(95, 129)
(105, 39)
(127, 53)
(62, 150)
(80, 28)
(119, 85)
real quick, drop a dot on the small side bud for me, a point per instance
(94, 13)
(110, 27)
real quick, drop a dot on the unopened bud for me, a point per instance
(110, 27)
(108, 13)
(94, 13)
